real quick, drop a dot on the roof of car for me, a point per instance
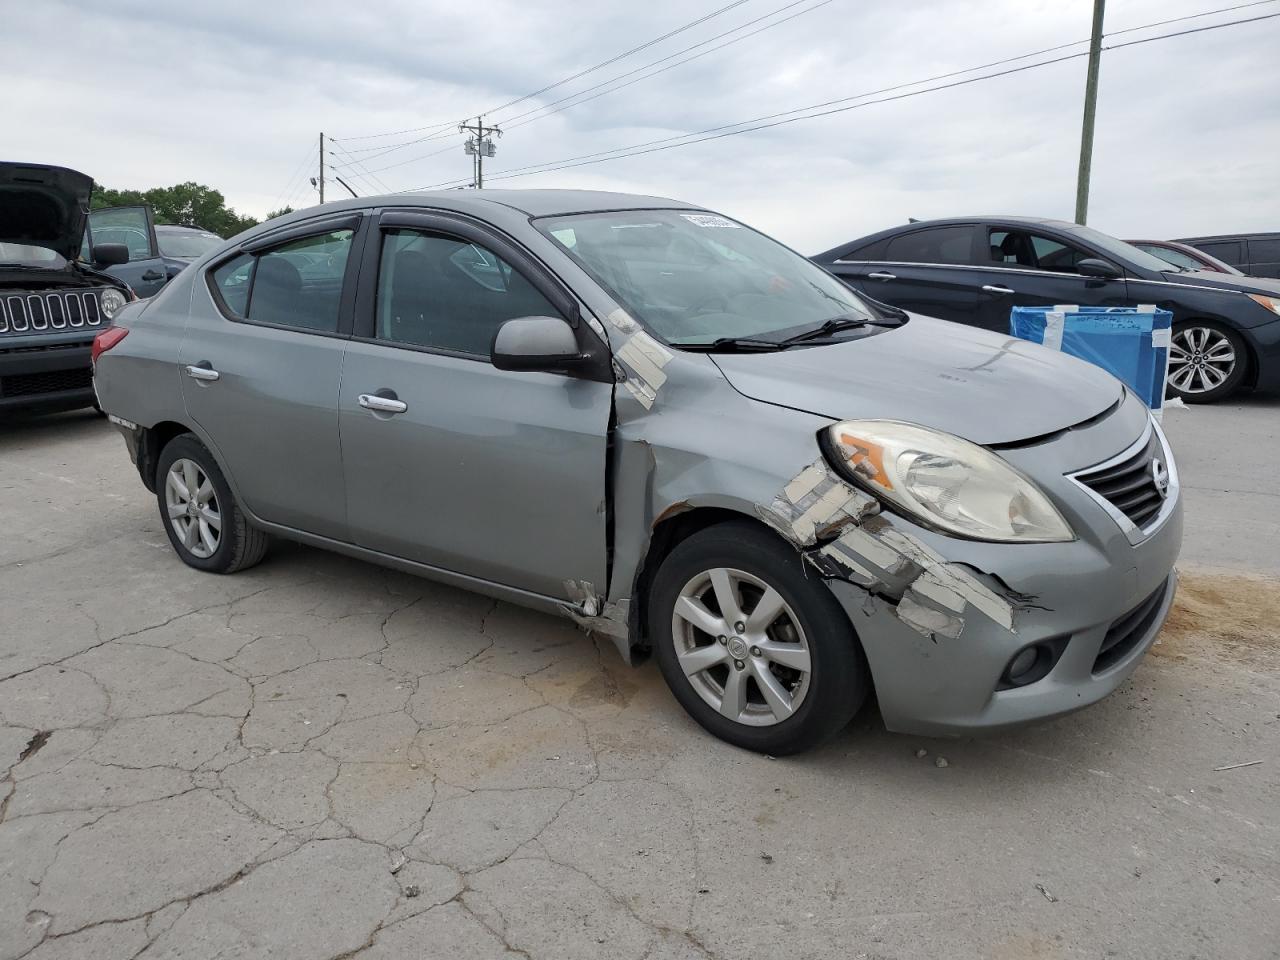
(835, 252)
(1265, 235)
(177, 228)
(535, 203)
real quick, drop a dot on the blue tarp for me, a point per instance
(1131, 343)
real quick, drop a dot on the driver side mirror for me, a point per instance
(110, 254)
(536, 343)
(1099, 269)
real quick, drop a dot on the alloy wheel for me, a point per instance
(741, 647)
(192, 507)
(1200, 359)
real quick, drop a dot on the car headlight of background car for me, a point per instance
(112, 300)
(944, 482)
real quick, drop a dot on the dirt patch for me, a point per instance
(1223, 615)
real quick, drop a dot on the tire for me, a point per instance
(1208, 361)
(748, 562)
(227, 546)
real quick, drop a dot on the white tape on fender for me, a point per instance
(1162, 338)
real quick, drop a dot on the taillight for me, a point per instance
(107, 339)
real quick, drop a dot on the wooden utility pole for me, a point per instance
(479, 145)
(321, 183)
(1090, 108)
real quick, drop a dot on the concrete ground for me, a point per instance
(319, 758)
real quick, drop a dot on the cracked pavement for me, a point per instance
(319, 758)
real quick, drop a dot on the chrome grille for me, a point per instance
(53, 310)
(1138, 486)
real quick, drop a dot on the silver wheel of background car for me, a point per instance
(192, 506)
(1200, 359)
(741, 647)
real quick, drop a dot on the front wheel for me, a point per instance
(1207, 361)
(758, 652)
(206, 526)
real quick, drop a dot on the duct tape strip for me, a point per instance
(643, 358)
(1146, 308)
(1054, 321)
(1161, 337)
(814, 503)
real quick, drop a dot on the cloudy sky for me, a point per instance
(234, 95)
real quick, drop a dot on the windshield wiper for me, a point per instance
(728, 344)
(835, 325)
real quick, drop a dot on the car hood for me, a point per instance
(983, 386)
(44, 206)
(1227, 281)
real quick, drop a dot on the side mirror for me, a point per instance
(1099, 269)
(535, 343)
(110, 254)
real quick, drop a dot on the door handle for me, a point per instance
(203, 372)
(153, 275)
(371, 401)
(881, 275)
(996, 288)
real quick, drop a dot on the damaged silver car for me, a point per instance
(674, 430)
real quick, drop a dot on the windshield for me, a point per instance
(186, 246)
(1123, 251)
(693, 278)
(29, 256)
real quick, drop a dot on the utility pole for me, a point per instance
(321, 184)
(479, 145)
(1090, 108)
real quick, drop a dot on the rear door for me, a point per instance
(134, 227)
(1264, 256)
(260, 365)
(922, 270)
(494, 474)
(1035, 268)
(1228, 251)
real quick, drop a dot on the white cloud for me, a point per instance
(141, 94)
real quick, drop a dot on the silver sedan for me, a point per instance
(674, 430)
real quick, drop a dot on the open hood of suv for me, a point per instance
(983, 386)
(44, 206)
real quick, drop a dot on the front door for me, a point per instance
(260, 366)
(1024, 268)
(145, 272)
(450, 462)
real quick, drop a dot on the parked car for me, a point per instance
(974, 270)
(1257, 254)
(1184, 255)
(145, 271)
(677, 432)
(51, 303)
(179, 246)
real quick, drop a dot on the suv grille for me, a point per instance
(37, 384)
(1127, 632)
(50, 310)
(1130, 486)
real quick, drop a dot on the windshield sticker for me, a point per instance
(710, 221)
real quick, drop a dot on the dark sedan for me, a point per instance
(974, 270)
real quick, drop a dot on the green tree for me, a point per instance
(279, 213)
(185, 204)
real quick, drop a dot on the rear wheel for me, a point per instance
(205, 525)
(1207, 361)
(756, 651)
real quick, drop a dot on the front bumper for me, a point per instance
(1099, 602)
(45, 377)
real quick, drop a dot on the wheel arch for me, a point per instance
(1250, 378)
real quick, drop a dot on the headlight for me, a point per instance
(112, 300)
(944, 482)
(1271, 303)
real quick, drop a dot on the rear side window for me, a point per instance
(1228, 250)
(297, 284)
(232, 283)
(935, 245)
(1264, 251)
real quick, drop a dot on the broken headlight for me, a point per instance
(944, 482)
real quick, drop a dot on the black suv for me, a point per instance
(51, 303)
(974, 270)
(1254, 253)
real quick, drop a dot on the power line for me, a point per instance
(759, 123)
(356, 168)
(559, 83)
(285, 194)
(548, 107)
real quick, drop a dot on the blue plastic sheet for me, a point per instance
(1131, 343)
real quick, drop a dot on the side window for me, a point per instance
(1264, 251)
(439, 292)
(299, 283)
(232, 283)
(1055, 256)
(1011, 248)
(127, 225)
(1226, 250)
(935, 245)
